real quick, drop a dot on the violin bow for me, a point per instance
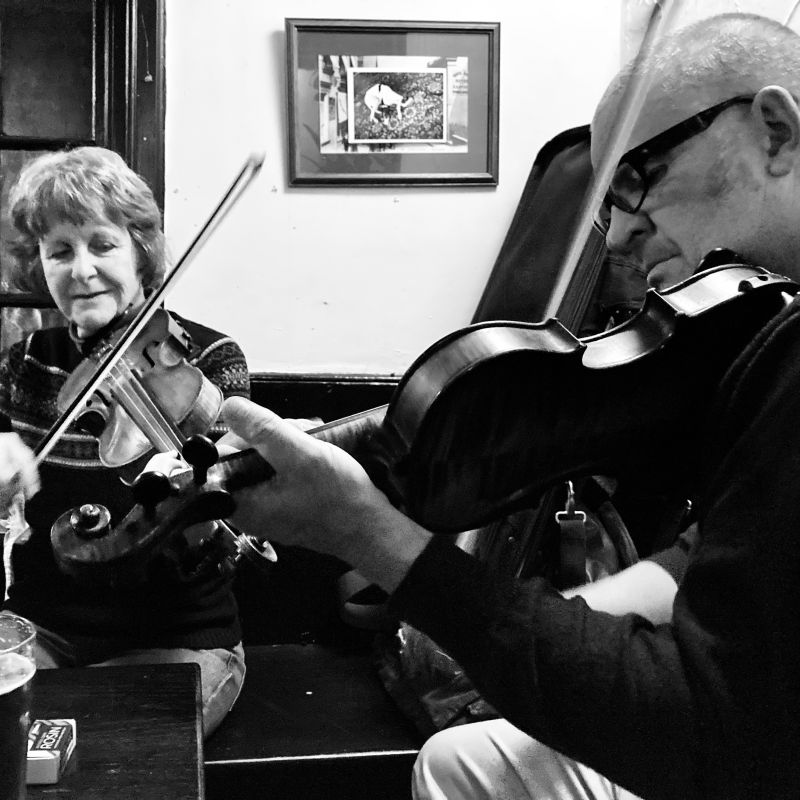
(788, 20)
(633, 98)
(246, 175)
(533, 527)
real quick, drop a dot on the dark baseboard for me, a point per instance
(330, 397)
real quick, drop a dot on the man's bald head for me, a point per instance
(701, 65)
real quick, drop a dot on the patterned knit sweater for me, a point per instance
(165, 612)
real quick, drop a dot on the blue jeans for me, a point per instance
(222, 670)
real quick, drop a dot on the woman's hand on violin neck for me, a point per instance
(320, 498)
(18, 470)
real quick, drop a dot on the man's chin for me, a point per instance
(667, 273)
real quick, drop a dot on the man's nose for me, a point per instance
(627, 232)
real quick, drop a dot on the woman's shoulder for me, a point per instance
(201, 335)
(48, 348)
(218, 356)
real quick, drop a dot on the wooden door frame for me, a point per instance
(132, 82)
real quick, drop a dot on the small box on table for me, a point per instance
(50, 745)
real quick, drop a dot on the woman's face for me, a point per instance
(92, 272)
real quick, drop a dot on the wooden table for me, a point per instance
(139, 731)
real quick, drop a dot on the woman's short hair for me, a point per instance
(78, 186)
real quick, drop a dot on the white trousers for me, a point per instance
(493, 760)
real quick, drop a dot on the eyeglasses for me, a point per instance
(631, 181)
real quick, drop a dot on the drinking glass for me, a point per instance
(17, 667)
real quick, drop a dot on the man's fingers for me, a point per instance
(261, 428)
(227, 448)
(248, 419)
(306, 424)
(230, 442)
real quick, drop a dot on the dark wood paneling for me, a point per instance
(330, 397)
(132, 34)
(149, 96)
(47, 75)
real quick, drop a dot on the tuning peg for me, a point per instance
(202, 454)
(149, 489)
(90, 521)
(256, 550)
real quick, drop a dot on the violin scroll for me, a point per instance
(152, 536)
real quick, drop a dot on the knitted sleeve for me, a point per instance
(224, 364)
(222, 361)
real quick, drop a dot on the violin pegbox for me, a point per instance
(151, 534)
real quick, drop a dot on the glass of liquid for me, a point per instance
(17, 668)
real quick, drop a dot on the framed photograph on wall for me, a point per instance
(386, 103)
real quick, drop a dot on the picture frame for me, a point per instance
(391, 103)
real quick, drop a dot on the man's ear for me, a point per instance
(777, 118)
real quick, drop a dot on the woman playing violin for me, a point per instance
(89, 234)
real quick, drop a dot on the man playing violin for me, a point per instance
(679, 677)
(89, 234)
(714, 162)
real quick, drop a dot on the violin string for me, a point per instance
(161, 436)
(138, 404)
(127, 403)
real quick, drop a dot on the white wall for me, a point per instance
(303, 278)
(636, 13)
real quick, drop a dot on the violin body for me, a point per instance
(151, 402)
(492, 415)
(185, 396)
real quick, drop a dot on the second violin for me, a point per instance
(152, 401)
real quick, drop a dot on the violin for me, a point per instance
(152, 401)
(489, 417)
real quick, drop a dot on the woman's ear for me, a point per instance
(777, 118)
